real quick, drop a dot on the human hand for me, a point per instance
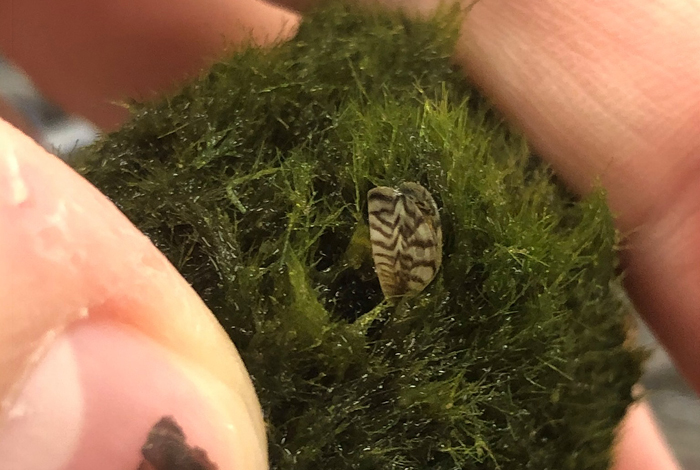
(562, 71)
(100, 337)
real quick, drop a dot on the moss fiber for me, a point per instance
(253, 181)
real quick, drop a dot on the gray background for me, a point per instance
(676, 406)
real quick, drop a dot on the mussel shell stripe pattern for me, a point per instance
(406, 238)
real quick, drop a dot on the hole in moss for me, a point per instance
(350, 296)
(331, 246)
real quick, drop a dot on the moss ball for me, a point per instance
(253, 181)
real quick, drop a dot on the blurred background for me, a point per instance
(676, 406)
(24, 107)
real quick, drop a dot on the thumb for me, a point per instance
(100, 338)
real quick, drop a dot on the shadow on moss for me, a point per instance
(253, 181)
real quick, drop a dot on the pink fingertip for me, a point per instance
(93, 398)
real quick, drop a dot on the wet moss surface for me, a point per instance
(253, 181)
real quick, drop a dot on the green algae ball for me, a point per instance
(253, 180)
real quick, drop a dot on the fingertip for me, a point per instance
(68, 256)
(641, 444)
(93, 397)
(89, 56)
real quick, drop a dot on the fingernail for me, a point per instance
(106, 396)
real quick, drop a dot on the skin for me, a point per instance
(608, 92)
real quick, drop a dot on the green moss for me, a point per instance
(253, 181)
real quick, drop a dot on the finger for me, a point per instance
(611, 91)
(605, 90)
(87, 56)
(101, 336)
(640, 443)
